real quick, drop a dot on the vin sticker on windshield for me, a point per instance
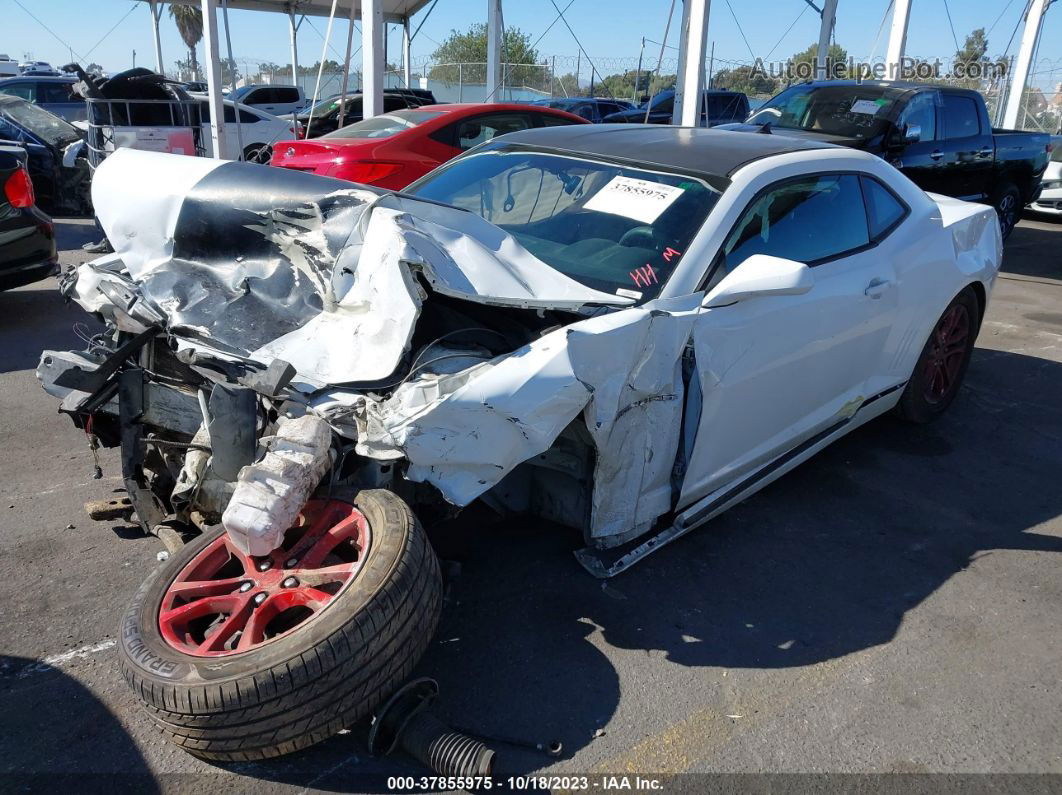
(637, 199)
(867, 106)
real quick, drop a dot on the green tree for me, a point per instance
(801, 65)
(189, 22)
(94, 69)
(230, 72)
(973, 54)
(470, 47)
(749, 80)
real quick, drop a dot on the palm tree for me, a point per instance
(189, 21)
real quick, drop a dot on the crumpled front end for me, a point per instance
(271, 333)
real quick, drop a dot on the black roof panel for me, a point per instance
(716, 153)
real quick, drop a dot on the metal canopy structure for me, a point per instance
(373, 14)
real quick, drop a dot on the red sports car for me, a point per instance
(392, 150)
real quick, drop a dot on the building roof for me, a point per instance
(713, 153)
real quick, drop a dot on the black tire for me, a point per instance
(1007, 201)
(258, 153)
(916, 405)
(302, 688)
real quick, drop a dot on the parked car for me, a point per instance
(941, 137)
(27, 236)
(42, 68)
(54, 94)
(260, 130)
(277, 100)
(8, 66)
(325, 116)
(60, 187)
(625, 331)
(1050, 199)
(590, 108)
(393, 149)
(719, 107)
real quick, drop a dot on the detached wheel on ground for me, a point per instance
(942, 365)
(238, 658)
(1007, 202)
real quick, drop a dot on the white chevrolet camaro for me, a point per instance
(623, 329)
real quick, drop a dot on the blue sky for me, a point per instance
(611, 29)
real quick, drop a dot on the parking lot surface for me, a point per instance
(890, 606)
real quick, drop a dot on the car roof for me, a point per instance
(41, 79)
(695, 150)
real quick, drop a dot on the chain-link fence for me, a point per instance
(637, 78)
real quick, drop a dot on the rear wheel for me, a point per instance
(942, 365)
(1007, 202)
(239, 658)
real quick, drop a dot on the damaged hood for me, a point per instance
(268, 263)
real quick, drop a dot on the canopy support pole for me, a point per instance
(829, 19)
(213, 72)
(1030, 39)
(372, 67)
(901, 16)
(689, 89)
(156, 13)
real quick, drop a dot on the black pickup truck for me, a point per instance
(940, 137)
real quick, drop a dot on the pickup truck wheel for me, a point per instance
(238, 658)
(1007, 202)
(942, 365)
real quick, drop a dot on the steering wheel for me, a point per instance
(640, 237)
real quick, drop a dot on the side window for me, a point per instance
(884, 210)
(807, 219)
(246, 117)
(922, 111)
(546, 120)
(486, 128)
(284, 95)
(230, 114)
(394, 102)
(56, 92)
(260, 96)
(961, 119)
(23, 90)
(204, 113)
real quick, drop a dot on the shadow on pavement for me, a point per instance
(46, 742)
(823, 563)
(1033, 251)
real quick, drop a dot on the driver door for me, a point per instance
(774, 371)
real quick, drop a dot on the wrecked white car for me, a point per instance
(622, 329)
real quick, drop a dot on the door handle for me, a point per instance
(936, 154)
(876, 288)
(985, 151)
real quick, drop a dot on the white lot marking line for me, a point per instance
(53, 661)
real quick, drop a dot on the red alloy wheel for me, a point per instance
(226, 602)
(947, 348)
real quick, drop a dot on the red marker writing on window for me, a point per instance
(643, 276)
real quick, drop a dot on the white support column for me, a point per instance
(406, 68)
(1030, 38)
(829, 18)
(901, 15)
(156, 12)
(294, 47)
(494, 48)
(693, 45)
(213, 73)
(372, 66)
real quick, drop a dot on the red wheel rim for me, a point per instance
(225, 602)
(947, 349)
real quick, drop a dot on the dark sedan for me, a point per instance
(720, 107)
(27, 236)
(61, 187)
(589, 108)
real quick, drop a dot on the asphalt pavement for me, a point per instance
(891, 606)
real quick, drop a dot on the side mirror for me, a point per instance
(758, 276)
(912, 133)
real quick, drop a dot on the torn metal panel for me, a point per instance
(271, 263)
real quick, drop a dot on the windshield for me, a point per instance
(386, 125)
(662, 101)
(46, 126)
(848, 111)
(325, 107)
(611, 227)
